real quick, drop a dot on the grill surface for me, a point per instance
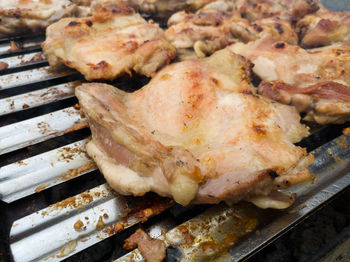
(55, 202)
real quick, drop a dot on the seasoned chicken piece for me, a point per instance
(161, 9)
(257, 9)
(114, 41)
(216, 26)
(26, 16)
(316, 81)
(197, 132)
(201, 34)
(324, 28)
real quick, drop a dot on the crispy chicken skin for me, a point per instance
(197, 132)
(316, 81)
(218, 25)
(114, 41)
(26, 16)
(324, 28)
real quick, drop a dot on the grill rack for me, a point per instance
(45, 151)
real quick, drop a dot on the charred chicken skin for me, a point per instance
(198, 133)
(316, 81)
(112, 42)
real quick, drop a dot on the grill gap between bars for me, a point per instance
(25, 81)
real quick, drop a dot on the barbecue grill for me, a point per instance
(54, 202)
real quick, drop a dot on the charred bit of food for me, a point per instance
(153, 250)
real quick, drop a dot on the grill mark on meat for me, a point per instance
(279, 28)
(258, 28)
(273, 174)
(100, 65)
(74, 23)
(88, 23)
(280, 45)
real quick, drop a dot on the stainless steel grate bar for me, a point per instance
(37, 129)
(22, 60)
(31, 77)
(37, 98)
(23, 44)
(76, 223)
(42, 171)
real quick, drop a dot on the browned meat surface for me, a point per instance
(316, 81)
(27, 16)
(152, 250)
(324, 28)
(197, 133)
(218, 25)
(112, 42)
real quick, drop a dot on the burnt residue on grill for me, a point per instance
(151, 205)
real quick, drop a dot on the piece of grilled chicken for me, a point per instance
(26, 16)
(112, 42)
(324, 28)
(217, 25)
(257, 9)
(198, 133)
(316, 81)
(160, 9)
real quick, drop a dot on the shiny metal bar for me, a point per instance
(23, 44)
(38, 129)
(43, 171)
(76, 223)
(32, 76)
(37, 98)
(23, 60)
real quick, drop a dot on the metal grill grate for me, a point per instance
(37, 113)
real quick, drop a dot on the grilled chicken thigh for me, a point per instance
(161, 9)
(257, 9)
(218, 25)
(201, 34)
(25, 16)
(114, 41)
(198, 133)
(316, 81)
(324, 28)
